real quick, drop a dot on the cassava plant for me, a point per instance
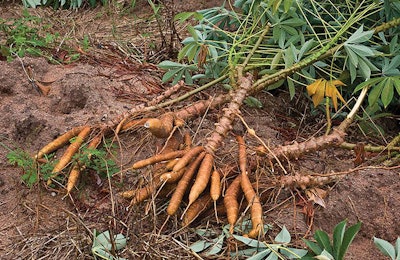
(261, 46)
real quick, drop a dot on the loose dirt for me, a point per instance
(38, 223)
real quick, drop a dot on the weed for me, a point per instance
(31, 169)
(336, 249)
(25, 36)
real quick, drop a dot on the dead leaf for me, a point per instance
(360, 154)
(322, 88)
(317, 195)
(43, 88)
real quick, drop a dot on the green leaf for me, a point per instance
(353, 58)
(305, 48)
(253, 102)
(338, 234)
(365, 69)
(182, 17)
(396, 83)
(323, 240)
(261, 255)
(375, 92)
(361, 50)
(387, 93)
(170, 74)
(283, 236)
(385, 247)
(292, 90)
(348, 237)
(293, 253)
(167, 64)
(325, 255)
(217, 246)
(250, 242)
(200, 245)
(287, 4)
(359, 36)
(397, 248)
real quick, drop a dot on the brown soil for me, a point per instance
(39, 223)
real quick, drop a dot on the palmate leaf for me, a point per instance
(322, 88)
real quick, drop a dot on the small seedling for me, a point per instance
(336, 249)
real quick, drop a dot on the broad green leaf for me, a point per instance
(283, 236)
(286, 5)
(275, 60)
(182, 17)
(188, 78)
(387, 93)
(169, 64)
(170, 74)
(294, 22)
(250, 242)
(216, 247)
(348, 237)
(353, 58)
(246, 252)
(361, 50)
(323, 240)
(394, 64)
(367, 84)
(365, 70)
(325, 255)
(253, 102)
(385, 247)
(338, 234)
(200, 245)
(293, 253)
(375, 92)
(359, 36)
(396, 83)
(272, 256)
(305, 48)
(292, 90)
(397, 248)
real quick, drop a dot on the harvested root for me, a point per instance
(251, 197)
(158, 158)
(80, 167)
(72, 149)
(187, 157)
(202, 178)
(161, 127)
(183, 184)
(215, 188)
(59, 142)
(172, 177)
(231, 202)
(194, 210)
